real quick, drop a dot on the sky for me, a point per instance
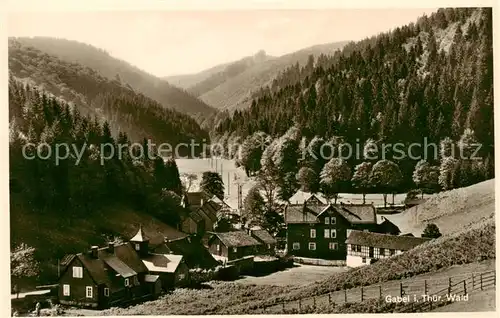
(167, 43)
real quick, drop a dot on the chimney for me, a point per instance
(93, 251)
(111, 247)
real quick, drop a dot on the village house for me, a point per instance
(205, 211)
(233, 245)
(117, 274)
(267, 241)
(319, 230)
(364, 247)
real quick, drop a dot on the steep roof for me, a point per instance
(300, 197)
(162, 263)
(264, 236)
(195, 198)
(140, 236)
(66, 259)
(308, 213)
(118, 266)
(388, 241)
(297, 213)
(127, 254)
(358, 213)
(236, 239)
(96, 268)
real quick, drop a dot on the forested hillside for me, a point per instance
(50, 199)
(429, 82)
(125, 109)
(97, 59)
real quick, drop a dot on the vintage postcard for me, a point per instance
(268, 159)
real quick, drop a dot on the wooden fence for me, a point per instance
(411, 290)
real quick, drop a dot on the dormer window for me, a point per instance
(77, 272)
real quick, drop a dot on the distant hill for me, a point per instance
(230, 86)
(108, 66)
(452, 211)
(124, 107)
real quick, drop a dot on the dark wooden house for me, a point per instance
(233, 245)
(104, 277)
(318, 230)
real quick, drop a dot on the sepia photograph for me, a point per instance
(260, 161)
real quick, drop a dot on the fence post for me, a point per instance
(425, 287)
(300, 305)
(449, 285)
(345, 295)
(329, 299)
(361, 292)
(473, 281)
(380, 291)
(465, 288)
(314, 301)
(481, 280)
(401, 289)
(283, 305)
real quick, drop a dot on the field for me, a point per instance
(230, 174)
(452, 210)
(298, 275)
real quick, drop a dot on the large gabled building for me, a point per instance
(316, 229)
(118, 274)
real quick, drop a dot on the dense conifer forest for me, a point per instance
(429, 82)
(82, 184)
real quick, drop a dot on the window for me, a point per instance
(358, 248)
(77, 272)
(333, 234)
(334, 220)
(218, 247)
(312, 246)
(137, 247)
(370, 252)
(88, 292)
(327, 233)
(235, 249)
(66, 290)
(181, 276)
(382, 251)
(363, 260)
(313, 233)
(333, 245)
(126, 282)
(296, 246)
(353, 248)
(106, 292)
(392, 252)
(327, 220)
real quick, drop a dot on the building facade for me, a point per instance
(318, 230)
(363, 248)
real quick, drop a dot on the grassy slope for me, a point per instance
(451, 210)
